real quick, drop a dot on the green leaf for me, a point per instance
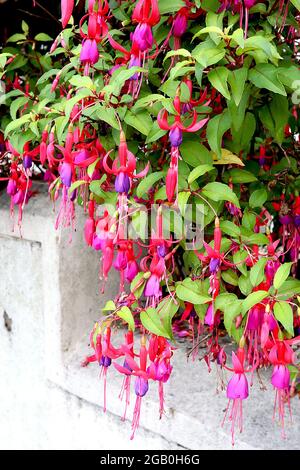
(208, 53)
(17, 104)
(220, 192)
(238, 175)
(183, 198)
(230, 276)
(141, 121)
(148, 183)
(218, 78)
(230, 228)
(166, 310)
(109, 306)
(281, 275)
(209, 29)
(127, 316)
(266, 76)
(223, 299)
(257, 272)
(80, 81)
(195, 153)
(215, 20)
(289, 288)
(248, 220)
(255, 239)
(237, 79)
(76, 185)
(253, 299)
(216, 128)
(140, 281)
(43, 37)
(17, 37)
(47, 75)
(16, 124)
(83, 93)
(95, 186)
(152, 322)
(178, 52)
(296, 4)
(258, 198)
(231, 311)
(170, 6)
(191, 294)
(199, 171)
(284, 314)
(245, 285)
(238, 37)
(239, 259)
(108, 115)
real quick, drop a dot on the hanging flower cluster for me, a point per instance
(145, 115)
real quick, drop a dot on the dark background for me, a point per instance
(43, 17)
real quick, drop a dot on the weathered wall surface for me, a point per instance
(49, 298)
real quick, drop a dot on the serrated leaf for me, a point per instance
(231, 311)
(16, 124)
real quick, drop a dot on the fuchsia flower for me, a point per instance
(104, 353)
(178, 127)
(159, 254)
(123, 167)
(97, 29)
(67, 7)
(241, 7)
(159, 354)
(175, 136)
(237, 391)
(89, 54)
(281, 355)
(180, 22)
(146, 14)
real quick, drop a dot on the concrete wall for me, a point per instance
(49, 299)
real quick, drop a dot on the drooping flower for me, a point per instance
(281, 355)
(237, 391)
